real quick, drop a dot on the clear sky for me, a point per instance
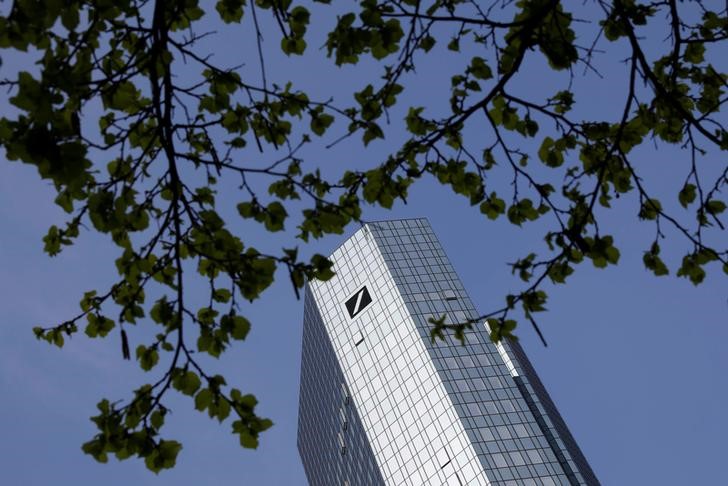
(637, 365)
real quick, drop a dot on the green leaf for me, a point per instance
(241, 327)
(231, 11)
(164, 456)
(322, 268)
(187, 382)
(427, 43)
(522, 211)
(221, 295)
(479, 69)
(203, 399)
(563, 100)
(558, 272)
(320, 122)
(124, 97)
(687, 195)
(70, 18)
(247, 209)
(98, 325)
(691, 269)
(293, 45)
(694, 52)
(415, 123)
(653, 262)
(500, 329)
(493, 206)
(52, 241)
(650, 209)
(157, 419)
(715, 207)
(550, 154)
(454, 44)
(248, 441)
(276, 216)
(148, 357)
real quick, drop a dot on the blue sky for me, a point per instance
(636, 364)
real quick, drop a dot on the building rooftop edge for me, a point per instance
(365, 223)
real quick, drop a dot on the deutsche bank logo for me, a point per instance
(358, 302)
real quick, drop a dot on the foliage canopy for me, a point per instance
(163, 125)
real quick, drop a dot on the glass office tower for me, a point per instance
(381, 404)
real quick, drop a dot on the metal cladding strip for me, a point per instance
(546, 431)
(571, 448)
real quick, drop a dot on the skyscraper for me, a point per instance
(381, 404)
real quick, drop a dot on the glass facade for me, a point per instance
(383, 404)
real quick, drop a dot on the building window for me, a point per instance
(449, 294)
(358, 338)
(342, 444)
